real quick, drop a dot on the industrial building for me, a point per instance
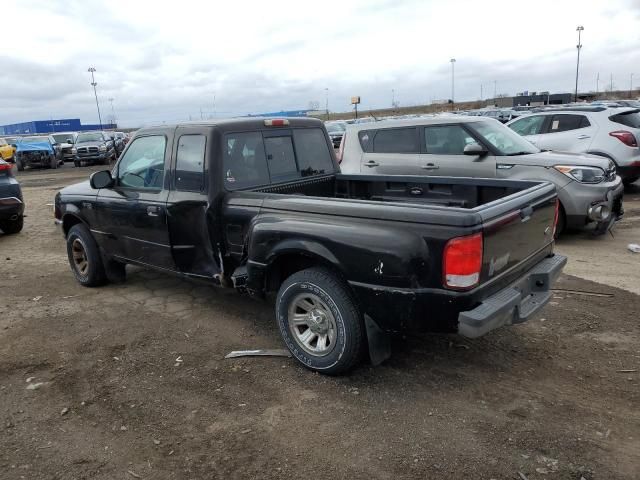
(52, 126)
(533, 99)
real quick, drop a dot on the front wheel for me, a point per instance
(53, 162)
(84, 257)
(19, 165)
(320, 321)
(630, 180)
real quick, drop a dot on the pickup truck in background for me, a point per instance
(259, 205)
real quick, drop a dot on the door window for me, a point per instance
(447, 139)
(245, 163)
(314, 157)
(529, 125)
(190, 163)
(142, 166)
(396, 140)
(563, 123)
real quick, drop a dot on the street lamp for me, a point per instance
(326, 105)
(453, 76)
(113, 112)
(631, 87)
(579, 47)
(93, 83)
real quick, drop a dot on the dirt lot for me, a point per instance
(129, 381)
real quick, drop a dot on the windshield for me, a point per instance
(89, 137)
(503, 139)
(628, 119)
(335, 127)
(34, 139)
(62, 137)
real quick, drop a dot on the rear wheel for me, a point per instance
(20, 165)
(12, 226)
(84, 257)
(53, 161)
(320, 321)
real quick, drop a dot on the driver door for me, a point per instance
(132, 215)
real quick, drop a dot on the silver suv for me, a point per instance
(589, 190)
(605, 131)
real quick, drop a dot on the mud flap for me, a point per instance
(379, 342)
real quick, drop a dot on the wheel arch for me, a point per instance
(69, 220)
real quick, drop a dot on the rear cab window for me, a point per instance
(190, 163)
(252, 159)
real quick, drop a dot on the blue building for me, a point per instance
(289, 113)
(51, 126)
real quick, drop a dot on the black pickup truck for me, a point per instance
(260, 205)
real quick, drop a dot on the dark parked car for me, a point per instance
(11, 202)
(259, 205)
(93, 147)
(37, 151)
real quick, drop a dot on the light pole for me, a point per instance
(393, 98)
(453, 80)
(113, 112)
(326, 104)
(579, 47)
(631, 87)
(93, 83)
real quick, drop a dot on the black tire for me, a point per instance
(53, 162)
(20, 165)
(336, 306)
(10, 227)
(79, 242)
(630, 180)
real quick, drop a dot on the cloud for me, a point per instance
(164, 64)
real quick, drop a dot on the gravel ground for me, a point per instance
(128, 381)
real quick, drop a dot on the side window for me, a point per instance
(365, 137)
(396, 140)
(280, 158)
(563, 123)
(190, 163)
(529, 125)
(447, 139)
(245, 164)
(312, 150)
(142, 167)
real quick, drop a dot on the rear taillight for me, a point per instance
(555, 218)
(5, 167)
(462, 262)
(625, 137)
(340, 153)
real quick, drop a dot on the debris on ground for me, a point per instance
(64, 411)
(258, 353)
(634, 247)
(35, 386)
(133, 474)
(35, 299)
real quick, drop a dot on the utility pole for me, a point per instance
(631, 87)
(579, 47)
(597, 85)
(480, 92)
(213, 113)
(393, 98)
(453, 81)
(611, 89)
(113, 112)
(326, 103)
(95, 92)
(495, 90)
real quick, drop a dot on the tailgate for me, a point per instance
(517, 229)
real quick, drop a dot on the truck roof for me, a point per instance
(249, 123)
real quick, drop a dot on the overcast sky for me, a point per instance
(166, 63)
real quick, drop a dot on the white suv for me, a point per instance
(609, 132)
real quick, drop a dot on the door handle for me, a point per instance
(372, 164)
(582, 137)
(153, 210)
(430, 166)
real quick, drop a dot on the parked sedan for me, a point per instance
(7, 150)
(589, 190)
(11, 202)
(613, 133)
(93, 148)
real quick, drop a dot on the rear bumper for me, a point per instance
(514, 304)
(10, 206)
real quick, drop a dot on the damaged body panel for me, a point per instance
(248, 204)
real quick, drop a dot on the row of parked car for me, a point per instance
(50, 151)
(587, 151)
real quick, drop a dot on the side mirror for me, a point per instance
(101, 179)
(475, 149)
